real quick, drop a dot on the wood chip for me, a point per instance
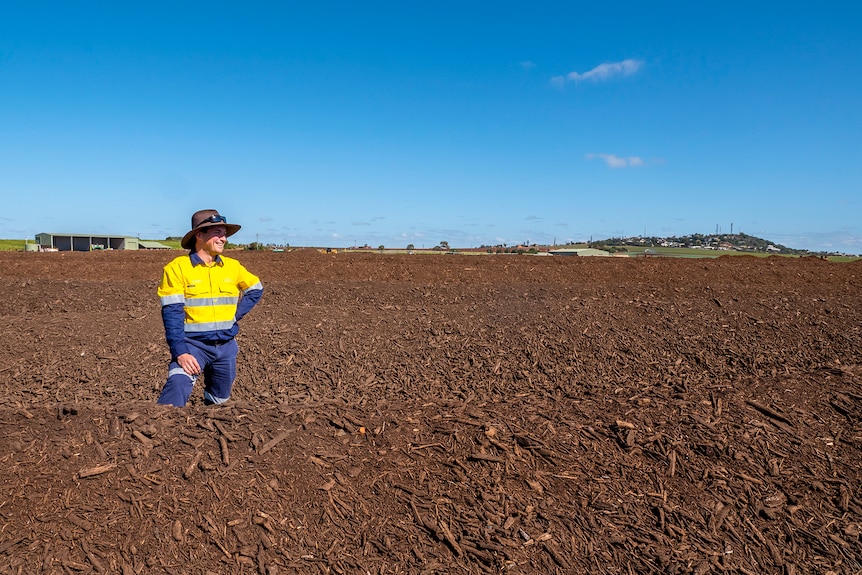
(274, 441)
(94, 471)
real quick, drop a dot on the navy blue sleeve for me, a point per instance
(249, 298)
(173, 316)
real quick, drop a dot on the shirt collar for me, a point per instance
(196, 259)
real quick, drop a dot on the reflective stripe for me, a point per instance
(207, 301)
(214, 399)
(209, 326)
(178, 371)
(172, 299)
(258, 285)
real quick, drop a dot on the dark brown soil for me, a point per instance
(439, 414)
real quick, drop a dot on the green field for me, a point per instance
(12, 245)
(686, 252)
(696, 253)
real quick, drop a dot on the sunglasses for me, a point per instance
(214, 220)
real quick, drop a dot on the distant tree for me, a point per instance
(381, 247)
(410, 247)
(444, 245)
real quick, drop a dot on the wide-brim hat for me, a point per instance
(203, 219)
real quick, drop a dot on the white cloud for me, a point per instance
(558, 81)
(614, 161)
(601, 73)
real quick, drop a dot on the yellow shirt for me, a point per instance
(205, 301)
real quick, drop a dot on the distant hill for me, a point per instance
(722, 242)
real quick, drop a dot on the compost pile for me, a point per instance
(439, 414)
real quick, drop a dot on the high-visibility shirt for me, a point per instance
(205, 301)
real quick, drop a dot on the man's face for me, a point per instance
(213, 239)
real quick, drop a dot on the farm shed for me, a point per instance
(149, 245)
(89, 242)
(582, 252)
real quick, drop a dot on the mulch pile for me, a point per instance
(445, 414)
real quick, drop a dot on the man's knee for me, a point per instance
(177, 389)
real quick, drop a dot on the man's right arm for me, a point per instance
(173, 316)
(172, 297)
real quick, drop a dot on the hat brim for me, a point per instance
(188, 241)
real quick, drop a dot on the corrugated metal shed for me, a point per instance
(148, 245)
(88, 242)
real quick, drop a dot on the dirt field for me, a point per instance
(439, 414)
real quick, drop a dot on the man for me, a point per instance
(204, 295)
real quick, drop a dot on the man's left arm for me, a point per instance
(252, 290)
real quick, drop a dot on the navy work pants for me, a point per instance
(218, 368)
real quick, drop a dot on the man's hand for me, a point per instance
(189, 364)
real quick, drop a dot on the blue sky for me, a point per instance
(342, 123)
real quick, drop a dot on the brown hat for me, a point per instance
(204, 219)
